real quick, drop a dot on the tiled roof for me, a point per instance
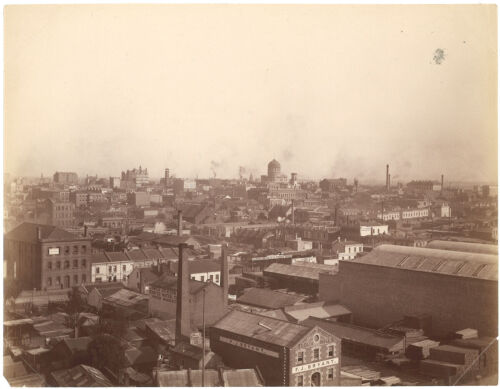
(266, 298)
(262, 328)
(27, 232)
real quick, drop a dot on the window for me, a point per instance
(114, 268)
(97, 269)
(49, 281)
(84, 278)
(330, 351)
(211, 277)
(58, 280)
(315, 354)
(330, 374)
(58, 265)
(49, 265)
(84, 249)
(66, 264)
(75, 279)
(110, 268)
(75, 249)
(124, 267)
(84, 262)
(300, 380)
(202, 278)
(66, 250)
(75, 263)
(300, 356)
(217, 278)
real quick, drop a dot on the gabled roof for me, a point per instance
(198, 266)
(262, 328)
(80, 376)
(266, 298)
(27, 232)
(357, 334)
(126, 298)
(76, 345)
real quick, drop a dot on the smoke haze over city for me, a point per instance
(98, 89)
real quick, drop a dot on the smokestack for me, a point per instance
(387, 177)
(179, 223)
(39, 233)
(224, 273)
(182, 318)
(442, 182)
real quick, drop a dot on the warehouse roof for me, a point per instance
(125, 297)
(319, 310)
(463, 264)
(198, 266)
(464, 246)
(170, 283)
(27, 232)
(241, 377)
(357, 334)
(266, 298)
(262, 328)
(298, 271)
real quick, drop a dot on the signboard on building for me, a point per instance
(53, 250)
(315, 365)
(250, 347)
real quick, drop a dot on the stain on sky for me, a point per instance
(439, 56)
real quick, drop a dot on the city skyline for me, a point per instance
(327, 90)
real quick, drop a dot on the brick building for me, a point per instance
(68, 178)
(286, 354)
(457, 289)
(46, 257)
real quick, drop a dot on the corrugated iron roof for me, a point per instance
(255, 326)
(464, 247)
(463, 264)
(241, 377)
(299, 271)
(320, 310)
(266, 298)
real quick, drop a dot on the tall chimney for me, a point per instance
(442, 182)
(179, 223)
(224, 274)
(182, 318)
(387, 183)
(39, 233)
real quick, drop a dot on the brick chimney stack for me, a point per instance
(39, 233)
(182, 318)
(179, 223)
(224, 273)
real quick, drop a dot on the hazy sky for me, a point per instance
(327, 90)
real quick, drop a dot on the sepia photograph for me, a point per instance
(250, 195)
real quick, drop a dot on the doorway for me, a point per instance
(316, 379)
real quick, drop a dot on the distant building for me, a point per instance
(138, 176)
(67, 178)
(331, 185)
(62, 214)
(114, 182)
(46, 257)
(139, 199)
(80, 199)
(424, 186)
(274, 174)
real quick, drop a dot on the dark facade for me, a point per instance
(46, 257)
(67, 178)
(379, 295)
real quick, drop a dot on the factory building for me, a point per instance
(457, 289)
(286, 354)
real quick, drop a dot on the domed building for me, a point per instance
(273, 170)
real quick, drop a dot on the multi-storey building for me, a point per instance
(80, 199)
(139, 176)
(68, 178)
(62, 214)
(46, 257)
(286, 354)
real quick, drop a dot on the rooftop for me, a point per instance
(464, 246)
(462, 264)
(319, 310)
(299, 271)
(266, 298)
(80, 376)
(27, 232)
(262, 328)
(357, 334)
